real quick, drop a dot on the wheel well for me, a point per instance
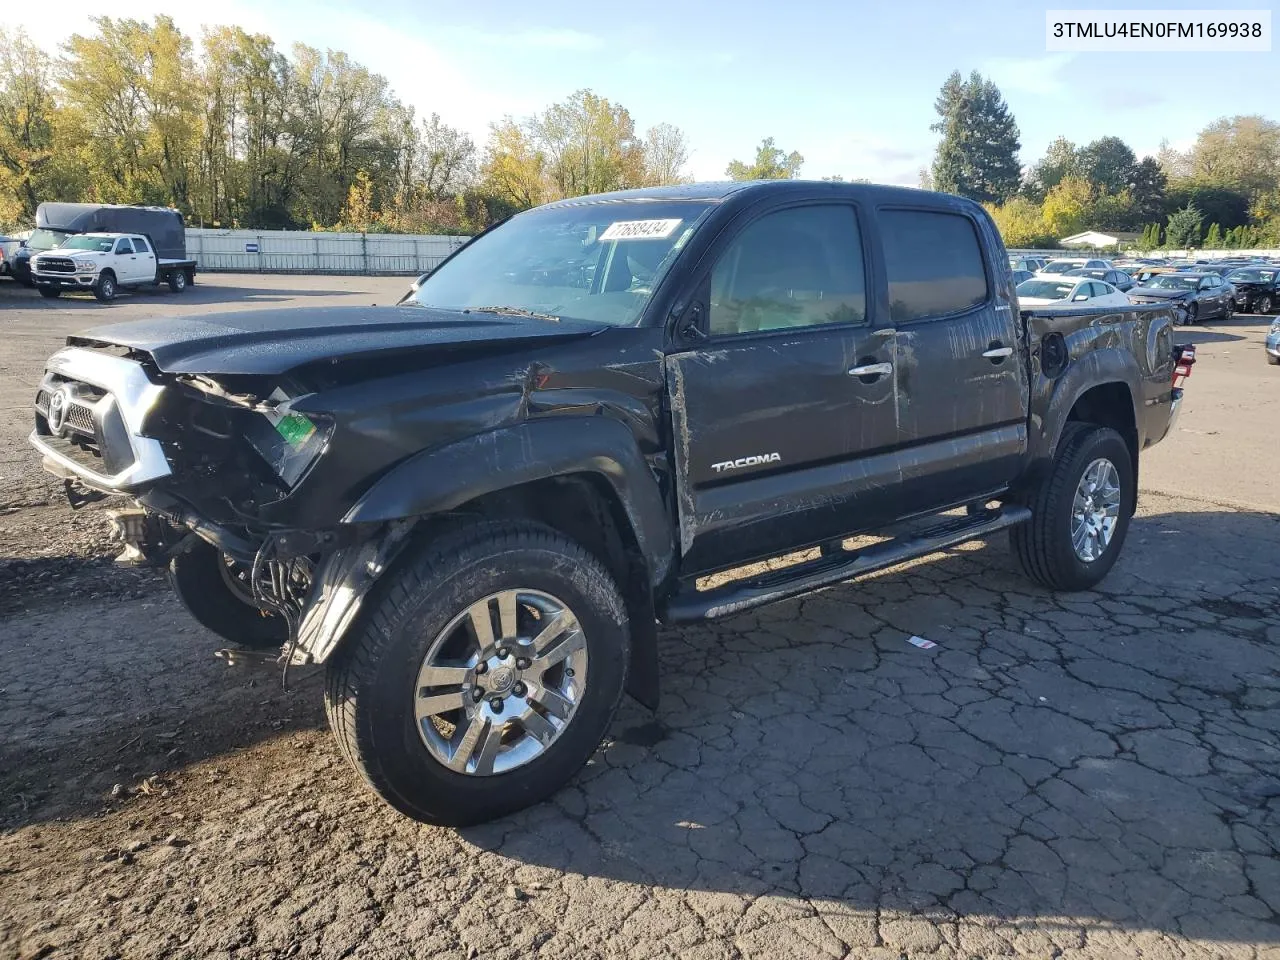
(587, 510)
(1110, 405)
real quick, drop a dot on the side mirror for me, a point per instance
(1080, 296)
(22, 243)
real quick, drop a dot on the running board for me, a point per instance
(688, 605)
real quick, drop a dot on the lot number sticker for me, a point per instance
(639, 230)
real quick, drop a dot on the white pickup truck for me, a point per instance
(105, 263)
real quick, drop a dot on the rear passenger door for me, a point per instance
(784, 418)
(961, 368)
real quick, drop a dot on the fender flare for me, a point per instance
(444, 478)
(1095, 369)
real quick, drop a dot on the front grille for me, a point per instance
(55, 265)
(81, 418)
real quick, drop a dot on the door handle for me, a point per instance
(998, 353)
(871, 370)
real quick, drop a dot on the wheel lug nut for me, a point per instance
(568, 671)
(482, 667)
(518, 689)
(496, 704)
(523, 663)
(503, 653)
(477, 694)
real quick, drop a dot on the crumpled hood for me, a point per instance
(270, 342)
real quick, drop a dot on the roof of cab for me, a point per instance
(716, 191)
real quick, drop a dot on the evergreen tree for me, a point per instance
(1183, 229)
(978, 155)
(1147, 183)
(1213, 239)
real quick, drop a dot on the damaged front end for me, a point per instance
(214, 461)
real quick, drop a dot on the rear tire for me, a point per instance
(201, 579)
(50, 293)
(178, 281)
(1044, 546)
(1274, 361)
(1264, 305)
(106, 287)
(375, 703)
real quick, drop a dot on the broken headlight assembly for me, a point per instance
(288, 441)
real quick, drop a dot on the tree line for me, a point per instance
(1222, 192)
(235, 132)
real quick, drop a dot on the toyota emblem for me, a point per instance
(58, 410)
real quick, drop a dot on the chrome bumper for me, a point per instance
(117, 416)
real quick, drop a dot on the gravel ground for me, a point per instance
(1090, 775)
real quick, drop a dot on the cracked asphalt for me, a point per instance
(1085, 775)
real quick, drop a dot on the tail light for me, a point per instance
(1184, 358)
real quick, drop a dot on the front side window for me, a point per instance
(140, 245)
(793, 268)
(124, 246)
(934, 264)
(597, 261)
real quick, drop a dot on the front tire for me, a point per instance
(106, 287)
(216, 593)
(456, 698)
(50, 293)
(1264, 305)
(1080, 511)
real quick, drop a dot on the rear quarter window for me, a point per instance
(934, 263)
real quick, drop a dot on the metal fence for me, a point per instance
(302, 251)
(1111, 252)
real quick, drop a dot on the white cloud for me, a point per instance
(1033, 75)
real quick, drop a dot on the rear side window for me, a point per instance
(800, 267)
(140, 245)
(934, 264)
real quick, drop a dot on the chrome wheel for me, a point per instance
(1096, 510)
(501, 682)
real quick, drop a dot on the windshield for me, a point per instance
(1252, 276)
(101, 244)
(45, 239)
(1045, 289)
(597, 262)
(1167, 281)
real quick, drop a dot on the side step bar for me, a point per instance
(689, 605)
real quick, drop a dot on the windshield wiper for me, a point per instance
(513, 312)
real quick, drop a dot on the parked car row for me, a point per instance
(1203, 290)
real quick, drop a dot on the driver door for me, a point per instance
(126, 261)
(783, 417)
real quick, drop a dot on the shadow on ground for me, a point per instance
(1109, 755)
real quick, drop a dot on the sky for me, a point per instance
(850, 85)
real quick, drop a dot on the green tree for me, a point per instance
(1242, 153)
(978, 154)
(1225, 205)
(1213, 239)
(31, 165)
(1108, 164)
(1147, 184)
(770, 164)
(590, 145)
(1183, 228)
(1062, 159)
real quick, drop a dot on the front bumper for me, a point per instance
(66, 281)
(89, 412)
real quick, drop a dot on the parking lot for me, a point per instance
(1088, 775)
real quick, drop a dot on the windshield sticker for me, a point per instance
(639, 230)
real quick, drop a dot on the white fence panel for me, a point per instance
(302, 251)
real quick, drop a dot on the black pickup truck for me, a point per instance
(475, 507)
